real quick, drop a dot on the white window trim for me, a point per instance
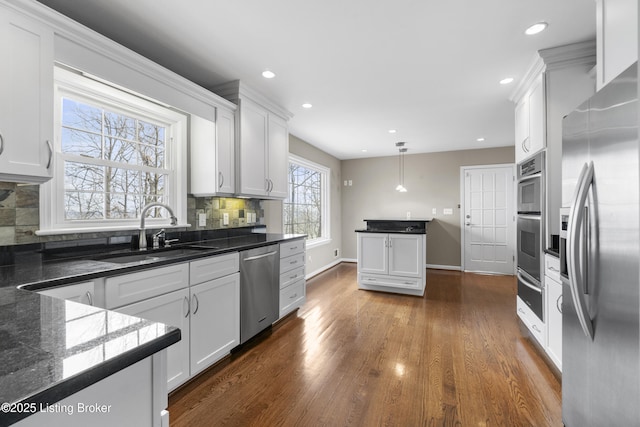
(325, 185)
(83, 88)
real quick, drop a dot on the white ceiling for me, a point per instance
(429, 69)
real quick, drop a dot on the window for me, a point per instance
(306, 210)
(115, 152)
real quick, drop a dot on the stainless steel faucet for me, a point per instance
(143, 235)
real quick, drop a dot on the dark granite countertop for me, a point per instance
(43, 339)
(396, 226)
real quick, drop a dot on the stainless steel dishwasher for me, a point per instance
(259, 290)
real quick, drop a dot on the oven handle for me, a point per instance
(576, 219)
(528, 284)
(530, 177)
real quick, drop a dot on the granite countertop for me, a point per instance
(396, 226)
(51, 348)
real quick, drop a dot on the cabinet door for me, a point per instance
(78, 292)
(522, 128)
(203, 157)
(373, 253)
(215, 320)
(278, 166)
(26, 99)
(406, 257)
(617, 35)
(170, 309)
(537, 122)
(225, 150)
(554, 320)
(253, 149)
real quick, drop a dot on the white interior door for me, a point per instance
(488, 223)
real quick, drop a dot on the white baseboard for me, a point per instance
(445, 267)
(321, 269)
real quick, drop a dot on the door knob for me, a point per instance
(468, 216)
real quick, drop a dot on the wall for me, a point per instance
(20, 215)
(432, 181)
(318, 257)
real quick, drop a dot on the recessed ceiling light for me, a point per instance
(268, 74)
(506, 81)
(480, 139)
(306, 105)
(392, 131)
(364, 151)
(536, 28)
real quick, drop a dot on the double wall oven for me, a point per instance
(530, 230)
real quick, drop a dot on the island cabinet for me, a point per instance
(262, 143)
(83, 292)
(26, 98)
(393, 261)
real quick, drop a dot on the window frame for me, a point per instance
(325, 209)
(85, 88)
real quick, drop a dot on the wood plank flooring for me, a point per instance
(350, 357)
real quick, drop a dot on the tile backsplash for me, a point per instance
(20, 215)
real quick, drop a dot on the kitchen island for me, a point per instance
(392, 256)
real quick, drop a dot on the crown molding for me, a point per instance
(235, 90)
(555, 58)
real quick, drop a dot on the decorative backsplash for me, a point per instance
(20, 215)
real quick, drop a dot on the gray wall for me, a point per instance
(323, 255)
(432, 180)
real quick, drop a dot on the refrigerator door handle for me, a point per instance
(574, 254)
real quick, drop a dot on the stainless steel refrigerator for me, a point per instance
(600, 253)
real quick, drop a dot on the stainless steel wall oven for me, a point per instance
(530, 232)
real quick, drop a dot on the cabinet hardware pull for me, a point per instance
(293, 277)
(293, 262)
(89, 298)
(293, 296)
(559, 303)
(186, 300)
(260, 256)
(521, 311)
(553, 269)
(195, 310)
(221, 179)
(1, 143)
(50, 153)
(535, 327)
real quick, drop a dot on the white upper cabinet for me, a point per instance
(530, 121)
(617, 34)
(212, 154)
(262, 143)
(26, 99)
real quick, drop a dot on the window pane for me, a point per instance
(303, 208)
(119, 126)
(81, 143)
(83, 205)
(81, 116)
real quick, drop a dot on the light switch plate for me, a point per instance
(202, 220)
(225, 219)
(447, 211)
(434, 211)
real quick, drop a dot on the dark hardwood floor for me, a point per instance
(456, 357)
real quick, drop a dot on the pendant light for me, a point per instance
(401, 150)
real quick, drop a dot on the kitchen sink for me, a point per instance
(149, 256)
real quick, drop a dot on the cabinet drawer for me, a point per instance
(291, 262)
(130, 288)
(291, 276)
(292, 297)
(291, 248)
(552, 267)
(532, 322)
(394, 282)
(206, 269)
(79, 292)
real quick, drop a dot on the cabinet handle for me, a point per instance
(195, 310)
(524, 145)
(535, 327)
(550, 268)
(266, 185)
(50, 153)
(559, 303)
(90, 298)
(221, 179)
(293, 296)
(522, 311)
(186, 301)
(1, 143)
(293, 262)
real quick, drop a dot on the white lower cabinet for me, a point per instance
(79, 292)
(170, 309)
(536, 326)
(553, 288)
(292, 276)
(215, 320)
(392, 262)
